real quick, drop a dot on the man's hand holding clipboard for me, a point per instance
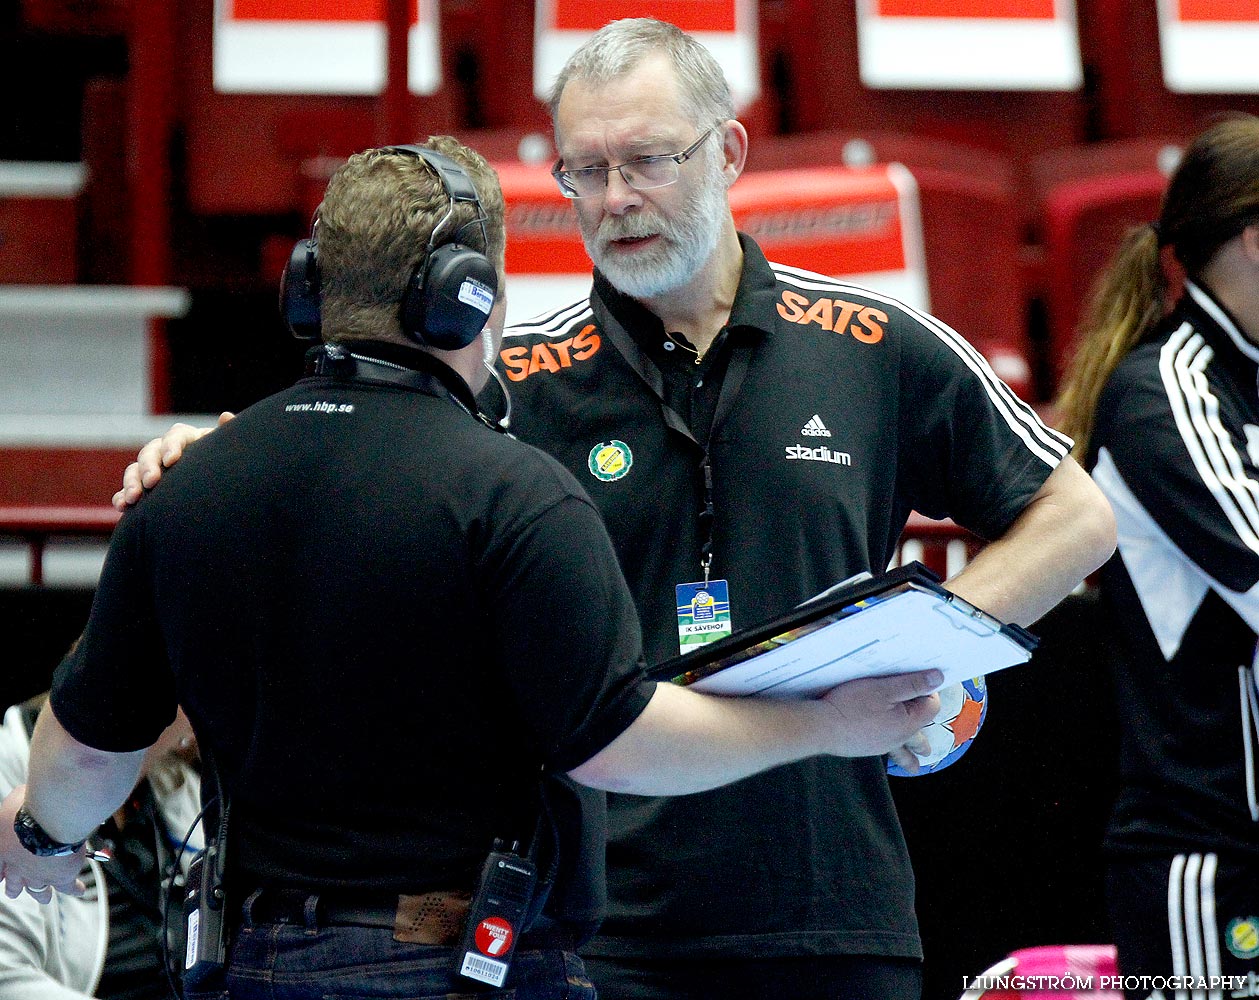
(903, 620)
(861, 647)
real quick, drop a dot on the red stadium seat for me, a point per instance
(971, 229)
(1084, 221)
(489, 58)
(824, 91)
(244, 149)
(1143, 154)
(1119, 41)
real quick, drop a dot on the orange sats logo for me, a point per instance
(550, 356)
(863, 322)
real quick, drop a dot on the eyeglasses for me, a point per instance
(643, 174)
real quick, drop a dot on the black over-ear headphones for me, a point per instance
(447, 299)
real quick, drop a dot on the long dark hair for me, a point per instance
(1211, 198)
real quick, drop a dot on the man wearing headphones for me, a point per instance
(396, 631)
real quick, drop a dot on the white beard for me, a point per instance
(686, 242)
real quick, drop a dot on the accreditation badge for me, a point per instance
(703, 613)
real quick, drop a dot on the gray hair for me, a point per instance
(620, 46)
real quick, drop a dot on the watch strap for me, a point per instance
(37, 840)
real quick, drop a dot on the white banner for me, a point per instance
(969, 44)
(318, 47)
(1210, 46)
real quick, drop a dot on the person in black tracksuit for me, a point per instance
(1164, 402)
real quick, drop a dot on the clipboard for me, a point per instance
(898, 621)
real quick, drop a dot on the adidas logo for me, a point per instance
(815, 428)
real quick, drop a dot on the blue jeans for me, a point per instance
(802, 977)
(289, 961)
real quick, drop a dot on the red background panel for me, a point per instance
(824, 253)
(1219, 10)
(542, 233)
(689, 15)
(828, 220)
(1026, 9)
(307, 10)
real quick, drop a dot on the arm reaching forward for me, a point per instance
(686, 742)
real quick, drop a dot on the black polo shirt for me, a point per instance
(383, 618)
(834, 412)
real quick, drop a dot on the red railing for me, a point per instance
(942, 546)
(925, 540)
(36, 525)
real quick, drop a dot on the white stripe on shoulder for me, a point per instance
(1182, 364)
(1223, 319)
(1169, 585)
(811, 279)
(555, 323)
(1046, 443)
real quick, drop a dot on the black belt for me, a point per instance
(288, 906)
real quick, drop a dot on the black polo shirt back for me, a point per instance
(382, 617)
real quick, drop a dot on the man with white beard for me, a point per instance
(679, 393)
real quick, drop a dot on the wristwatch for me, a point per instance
(36, 840)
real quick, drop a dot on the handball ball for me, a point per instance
(963, 708)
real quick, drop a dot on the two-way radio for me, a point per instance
(496, 917)
(205, 952)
